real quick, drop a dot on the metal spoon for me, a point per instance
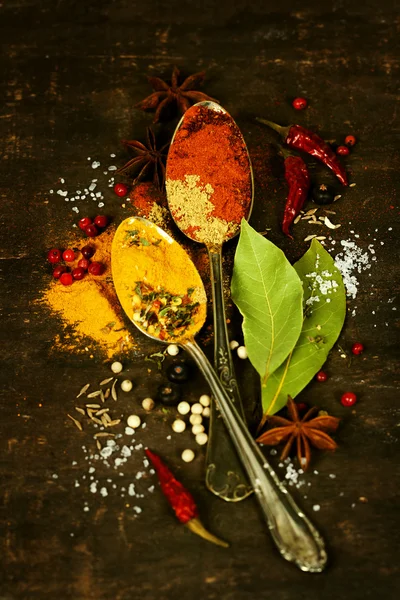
(224, 474)
(138, 248)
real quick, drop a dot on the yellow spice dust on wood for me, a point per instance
(90, 308)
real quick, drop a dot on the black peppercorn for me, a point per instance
(178, 372)
(169, 394)
(323, 194)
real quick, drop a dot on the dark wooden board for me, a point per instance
(71, 75)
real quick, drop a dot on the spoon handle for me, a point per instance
(224, 472)
(294, 535)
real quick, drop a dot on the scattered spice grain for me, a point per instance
(76, 422)
(83, 390)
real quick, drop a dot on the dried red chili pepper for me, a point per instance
(298, 178)
(181, 500)
(300, 138)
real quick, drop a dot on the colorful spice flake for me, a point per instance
(207, 195)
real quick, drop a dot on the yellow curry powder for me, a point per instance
(156, 282)
(89, 308)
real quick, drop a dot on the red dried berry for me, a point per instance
(350, 140)
(91, 230)
(66, 279)
(342, 150)
(357, 348)
(83, 223)
(299, 103)
(78, 273)
(101, 221)
(96, 268)
(348, 399)
(54, 256)
(68, 255)
(84, 264)
(321, 376)
(87, 251)
(121, 189)
(58, 271)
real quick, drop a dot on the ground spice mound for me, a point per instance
(208, 183)
(156, 282)
(89, 309)
(149, 202)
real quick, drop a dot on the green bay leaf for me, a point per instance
(324, 314)
(268, 293)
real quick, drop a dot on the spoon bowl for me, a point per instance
(157, 284)
(191, 146)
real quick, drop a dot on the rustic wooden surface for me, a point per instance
(71, 74)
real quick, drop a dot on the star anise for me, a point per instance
(147, 159)
(183, 95)
(304, 431)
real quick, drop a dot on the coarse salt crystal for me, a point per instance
(125, 452)
(106, 452)
(95, 164)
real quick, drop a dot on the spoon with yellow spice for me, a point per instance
(162, 293)
(209, 185)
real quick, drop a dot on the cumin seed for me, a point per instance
(102, 396)
(312, 211)
(101, 412)
(310, 237)
(113, 392)
(77, 423)
(93, 406)
(297, 219)
(83, 390)
(96, 420)
(103, 434)
(105, 381)
(115, 422)
(94, 394)
(107, 393)
(98, 445)
(80, 410)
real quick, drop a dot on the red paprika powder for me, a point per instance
(209, 184)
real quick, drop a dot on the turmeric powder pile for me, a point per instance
(157, 283)
(89, 309)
